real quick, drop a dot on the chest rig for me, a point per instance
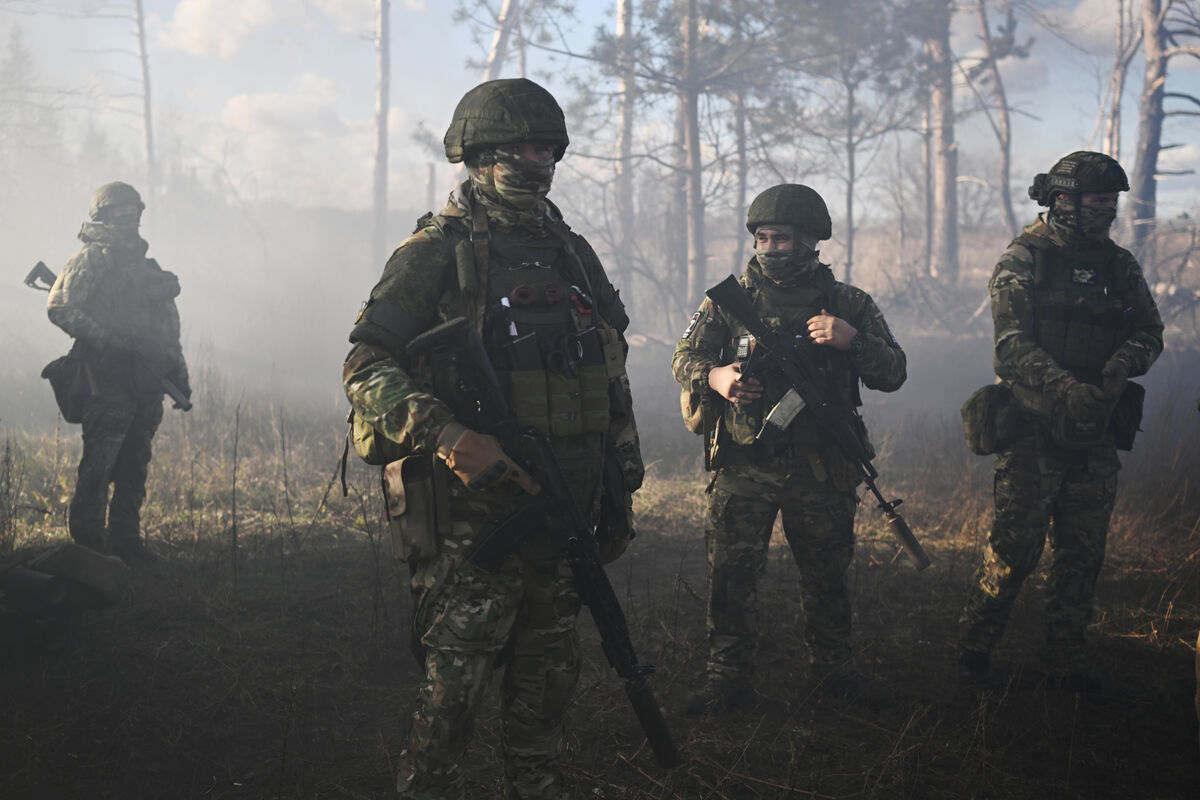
(1080, 310)
(786, 311)
(541, 335)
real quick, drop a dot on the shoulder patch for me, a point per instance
(691, 326)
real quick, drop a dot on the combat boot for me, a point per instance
(133, 552)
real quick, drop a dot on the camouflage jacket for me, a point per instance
(1018, 358)
(709, 339)
(114, 300)
(420, 288)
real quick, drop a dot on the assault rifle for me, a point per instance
(479, 402)
(809, 389)
(46, 276)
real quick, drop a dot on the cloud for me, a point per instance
(218, 27)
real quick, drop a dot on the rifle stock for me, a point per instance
(478, 400)
(808, 381)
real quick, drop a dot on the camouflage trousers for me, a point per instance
(818, 522)
(117, 432)
(1037, 483)
(520, 617)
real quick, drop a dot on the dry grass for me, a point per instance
(296, 681)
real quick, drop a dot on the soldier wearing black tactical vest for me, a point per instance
(1074, 320)
(500, 255)
(804, 476)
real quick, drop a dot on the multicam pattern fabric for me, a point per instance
(1037, 482)
(810, 482)
(464, 616)
(1018, 358)
(1040, 487)
(120, 308)
(818, 522)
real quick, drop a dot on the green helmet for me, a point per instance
(503, 112)
(1077, 173)
(791, 204)
(114, 194)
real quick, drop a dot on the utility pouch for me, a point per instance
(1127, 416)
(991, 420)
(411, 496)
(1070, 433)
(371, 445)
(73, 383)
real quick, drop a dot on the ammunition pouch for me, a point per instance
(1127, 416)
(414, 490)
(699, 410)
(562, 385)
(73, 383)
(991, 419)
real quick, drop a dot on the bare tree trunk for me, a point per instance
(676, 216)
(1003, 125)
(927, 165)
(623, 269)
(850, 170)
(693, 165)
(147, 118)
(1128, 35)
(742, 162)
(944, 262)
(382, 96)
(510, 12)
(1143, 190)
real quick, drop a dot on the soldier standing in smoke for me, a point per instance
(119, 306)
(1074, 320)
(805, 475)
(500, 255)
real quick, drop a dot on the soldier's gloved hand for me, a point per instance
(1115, 375)
(479, 461)
(727, 382)
(1086, 402)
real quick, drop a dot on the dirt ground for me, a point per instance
(297, 682)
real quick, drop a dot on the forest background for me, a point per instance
(284, 148)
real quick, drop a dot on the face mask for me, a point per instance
(1092, 221)
(787, 266)
(521, 182)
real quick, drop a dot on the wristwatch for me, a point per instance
(858, 344)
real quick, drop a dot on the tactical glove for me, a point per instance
(1115, 375)
(479, 461)
(1086, 402)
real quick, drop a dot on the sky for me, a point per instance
(280, 93)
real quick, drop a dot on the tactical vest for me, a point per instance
(1079, 305)
(544, 336)
(786, 312)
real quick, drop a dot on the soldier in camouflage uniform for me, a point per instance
(1074, 320)
(805, 476)
(120, 308)
(500, 255)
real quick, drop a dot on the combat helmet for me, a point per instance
(503, 112)
(791, 204)
(1077, 173)
(114, 194)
